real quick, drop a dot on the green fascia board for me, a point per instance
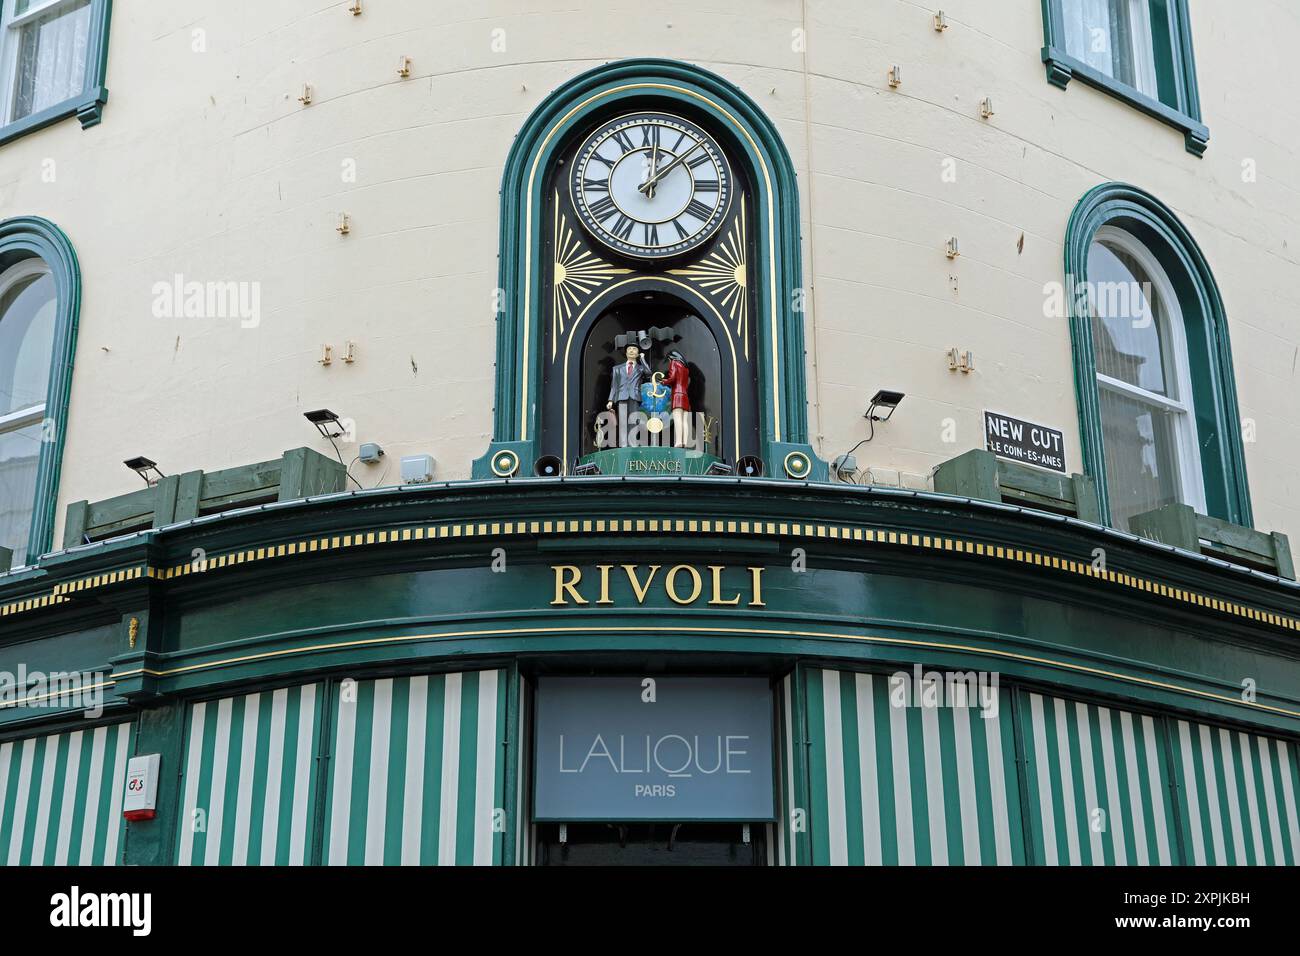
(24, 237)
(1176, 68)
(690, 497)
(709, 640)
(88, 105)
(1214, 387)
(671, 83)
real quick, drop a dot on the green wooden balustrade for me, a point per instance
(300, 472)
(1182, 527)
(980, 474)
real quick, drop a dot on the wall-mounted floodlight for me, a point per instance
(884, 398)
(845, 466)
(325, 422)
(142, 466)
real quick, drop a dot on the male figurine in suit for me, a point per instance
(625, 384)
(625, 387)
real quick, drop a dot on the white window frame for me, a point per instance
(9, 27)
(1173, 343)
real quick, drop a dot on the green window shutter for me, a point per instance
(61, 797)
(249, 779)
(417, 771)
(1237, 796)
(1098, 785)
(909, 785)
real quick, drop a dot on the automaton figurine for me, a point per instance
(679, 380)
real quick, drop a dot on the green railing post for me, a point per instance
(971, 475)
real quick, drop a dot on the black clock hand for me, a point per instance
(670, 167)
(654, 165)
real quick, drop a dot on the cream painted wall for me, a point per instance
(207, 166)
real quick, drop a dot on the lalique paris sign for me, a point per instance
(654, 748)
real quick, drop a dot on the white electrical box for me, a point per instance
(417, 469)
(141, 796)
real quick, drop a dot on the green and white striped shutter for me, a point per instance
(1236, 796)
(785, 743)
(417, 771)
(525, 829)
(249, 779)
(61, 797)
(1098, 785)
(909, 785)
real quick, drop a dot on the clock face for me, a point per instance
(650, 185)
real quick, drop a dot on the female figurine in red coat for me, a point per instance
(679, 379)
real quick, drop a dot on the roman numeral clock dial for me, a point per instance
(650, 185)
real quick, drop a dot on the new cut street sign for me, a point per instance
(1025, 442)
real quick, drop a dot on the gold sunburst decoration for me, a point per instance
(723, 274)
(578, 273)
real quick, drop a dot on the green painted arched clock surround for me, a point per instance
(755, 159)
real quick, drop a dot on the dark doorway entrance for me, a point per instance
(652, 844)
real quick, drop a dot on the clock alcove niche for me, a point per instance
(710, 387)
(652, 200)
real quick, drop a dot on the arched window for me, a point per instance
(1157, 401)
(1144, 384)
(39, 298)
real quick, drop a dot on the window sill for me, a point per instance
(88, 107)
(1061, 67)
